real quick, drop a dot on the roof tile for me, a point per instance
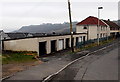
(91, 21)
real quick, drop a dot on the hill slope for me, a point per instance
(48, 28)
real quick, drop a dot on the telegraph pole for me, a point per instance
(71, 30)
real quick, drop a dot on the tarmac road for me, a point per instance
(102, 65)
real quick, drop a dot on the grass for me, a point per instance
(93, 45)
(88, 46)
(17, 57)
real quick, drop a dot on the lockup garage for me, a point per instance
(43, 44)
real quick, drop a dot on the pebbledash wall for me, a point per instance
(32, 44)
(90, 26)
(92, 33)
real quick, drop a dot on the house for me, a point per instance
(17, 35)
(22, 35)
(37, 34)
(93, 30)
(3, 35)
(118, 22)
(90, 26)
(114, 28)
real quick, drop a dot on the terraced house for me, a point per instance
(46, 44)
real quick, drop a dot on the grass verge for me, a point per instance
(17, 57)
(88, 46)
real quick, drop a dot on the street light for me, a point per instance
(98, 24)
(1, 43)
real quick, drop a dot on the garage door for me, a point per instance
(42, 48)
(61, 44)
(80, 39)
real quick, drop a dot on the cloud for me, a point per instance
(16, 14)
(119, 10)
(32, 9)
(59, 0)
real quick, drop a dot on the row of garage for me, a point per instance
(61, 44)
(43, 45)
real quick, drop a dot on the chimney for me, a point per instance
(108, 19)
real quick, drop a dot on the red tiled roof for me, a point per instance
(91, 21)
(113, 26)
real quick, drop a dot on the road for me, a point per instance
(80, 70)
(102, 65)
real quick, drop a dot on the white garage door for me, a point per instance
(61, 44)
(80, 39)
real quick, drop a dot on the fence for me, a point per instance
(83, 43)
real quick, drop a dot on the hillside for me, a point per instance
(50, 28)
(47, 28)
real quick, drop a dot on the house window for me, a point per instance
(85, 27)
(101, 35)
(101, 28)
(106, 28)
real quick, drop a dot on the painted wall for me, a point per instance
(21, 45)
(32, 44)
(92, 30)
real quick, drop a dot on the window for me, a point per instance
(105, 28)
(85, 27)
(101, 35)
(101, 28)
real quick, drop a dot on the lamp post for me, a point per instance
(98, 24)
(1, 43)
(71, 31)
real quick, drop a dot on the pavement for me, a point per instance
(51, 65)
(102, 65)
(57, 62)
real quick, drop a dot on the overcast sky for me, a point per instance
(17, 13)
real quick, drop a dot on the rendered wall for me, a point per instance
(32, 44)
(21, 45)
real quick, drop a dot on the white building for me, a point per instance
(91, 27)
(43, 44)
